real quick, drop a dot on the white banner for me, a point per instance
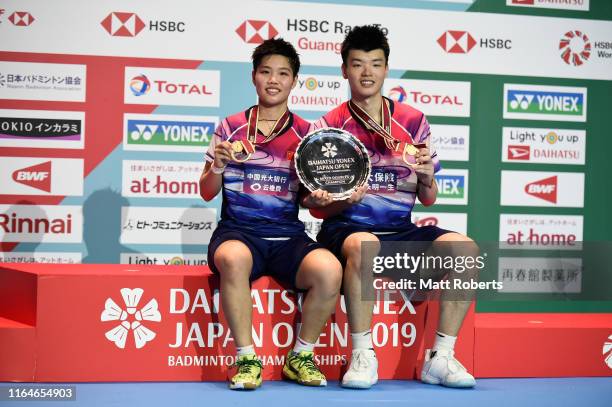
(41, 223)
(41, 176)
(535, 188)
(161, 179)
(522, 231)
(543, 146)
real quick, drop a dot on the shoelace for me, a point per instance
(307, 360)
(245, 365)
(361, 362)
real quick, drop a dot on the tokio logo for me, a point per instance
(519, 152)
(456, 42)
(140, 85)
(21, 18)
(575, 48)
(545, 189)
(36, 176)
(122, 24)
(256, 31)
(130, 318)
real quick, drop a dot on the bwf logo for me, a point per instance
(130, 318)
(36, 176)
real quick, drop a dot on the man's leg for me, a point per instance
(363, 369)
(320, 274)
(440, 366)
(234, 261)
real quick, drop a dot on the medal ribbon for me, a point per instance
(384, 131)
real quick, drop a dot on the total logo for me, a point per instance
(462, 42)
(256, 31)
(141, 85)
(21, 18)
(437, 98)
(130, 318)
(575, 48)
(545, 189)
(127, 24)
(544, 102)
(36, 176)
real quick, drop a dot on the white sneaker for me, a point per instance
(444, 369)
(363, 370)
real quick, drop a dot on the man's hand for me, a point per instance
(424, 167)
(357, 195)
(319, 198)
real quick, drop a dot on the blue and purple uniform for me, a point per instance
(392, 191)
(260, 199)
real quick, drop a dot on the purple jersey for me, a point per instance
(392, 185)
(261, 195)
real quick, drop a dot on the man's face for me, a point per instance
(366, 72)
(273, 80)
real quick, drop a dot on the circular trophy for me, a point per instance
(333, 160)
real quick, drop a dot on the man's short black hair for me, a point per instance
(276, 46)
(365, 38)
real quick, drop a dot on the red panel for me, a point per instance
(17, 295)
(17, 351)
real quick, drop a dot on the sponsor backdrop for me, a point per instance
(102, 133)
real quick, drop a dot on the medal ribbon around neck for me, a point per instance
(242, 150)
(397, 147)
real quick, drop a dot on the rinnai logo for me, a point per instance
(519, 152)
(36, 176)
(528, 2)
(122, 24)
(427, 221)
(575, 48)
(607, 351)
(21, 18)
(457, 42)
(545, 189)
(131, 318)
(256, 31)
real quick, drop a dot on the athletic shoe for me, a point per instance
(363, 370)
(248, 376)
(301, 368)
(441, 367)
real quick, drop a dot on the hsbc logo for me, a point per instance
(518, 152)
(36, 176)
(21, 18)
(462, 42)
(545, 189)
(126, 24)
(121, 24)
(256, 31)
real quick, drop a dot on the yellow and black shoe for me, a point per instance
(301, 368)
(248, 376)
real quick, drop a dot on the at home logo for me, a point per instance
(36, 176)
(130, 318)
(545, 189)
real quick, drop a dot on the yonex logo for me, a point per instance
(21, 18)
(518, 152)
(122, 24)
(451, 186)
(329, 150)
(545, 189)
(144, 131)
(545, 102)
(130, 318)
(256, 31)
(575, 48)
(36, 176)
(456, 42)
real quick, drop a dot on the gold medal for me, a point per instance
(411, 149)
(237, 147)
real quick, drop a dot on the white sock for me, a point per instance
(301, 345)
(245, 350)
(444, 341)
(362, 340)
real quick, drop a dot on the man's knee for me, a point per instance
(322, 270)
(233, 259)
(352, 248)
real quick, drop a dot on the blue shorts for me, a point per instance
(333, 236)
(280, 259)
